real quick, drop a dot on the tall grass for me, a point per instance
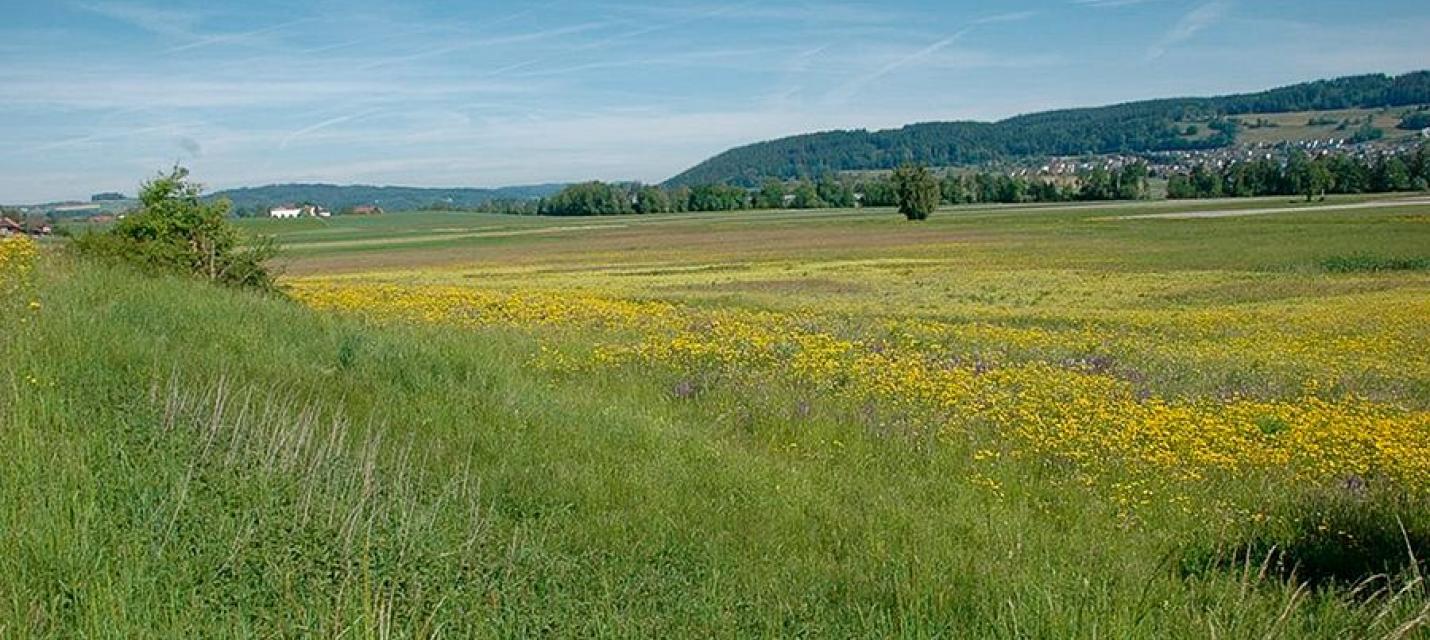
(184, 461)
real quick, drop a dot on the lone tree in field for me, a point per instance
(917, 191)
(176, 231)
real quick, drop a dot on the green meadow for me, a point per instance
(184, 460)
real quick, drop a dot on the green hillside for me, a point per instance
(1155, 125)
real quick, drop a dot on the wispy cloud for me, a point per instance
(236, 38)
(474, 43)
(1190, 24)
(803, 13)
(1112, 4)
(330, 122)
(850, 89)
(1011, 16)
(733, 58)
(597, 46)
(106, 89)
(164, 21)
(102, 136)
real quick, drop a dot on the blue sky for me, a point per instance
(99, 94)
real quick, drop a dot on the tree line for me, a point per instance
(1303, 175)
(1299, 174)
(878, 190)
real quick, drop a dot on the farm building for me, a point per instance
(299, 211)
(367, 210)
(10, 227)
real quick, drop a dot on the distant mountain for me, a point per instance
(257, 200)
(1154, 125)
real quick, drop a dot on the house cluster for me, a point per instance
(1366, 152)
(299, 211)
(10, 227)
(1164, 163)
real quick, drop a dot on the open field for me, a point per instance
(1296, 126)
(1020, 422)
(439, 239)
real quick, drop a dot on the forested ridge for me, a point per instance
(1154, 125)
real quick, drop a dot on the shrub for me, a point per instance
(1367, 133)
(175, 231)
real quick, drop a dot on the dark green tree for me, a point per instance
(680, 199)
(1206, 182)
(718, 197)
(953, 190)
(1097, 185)
(1011, 189)
(589, 199)
(1131, 182)
(771, 195)
(877, 192)
(652, 199)
(917, 191)
(1391, 175)
(806, 196)
(834, 193)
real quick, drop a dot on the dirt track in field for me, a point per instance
(1232, 213)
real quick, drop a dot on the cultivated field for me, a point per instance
(1021, 421)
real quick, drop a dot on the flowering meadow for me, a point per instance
(997, 423)
(17, 265)
(1102, 395)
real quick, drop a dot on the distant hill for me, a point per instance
(75, 209)
(1154, 125)
(256, 200)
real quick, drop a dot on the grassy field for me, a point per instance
(1020, 422)
(440, 240)
(1296, 126)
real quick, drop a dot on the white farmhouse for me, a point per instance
(296, 211)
